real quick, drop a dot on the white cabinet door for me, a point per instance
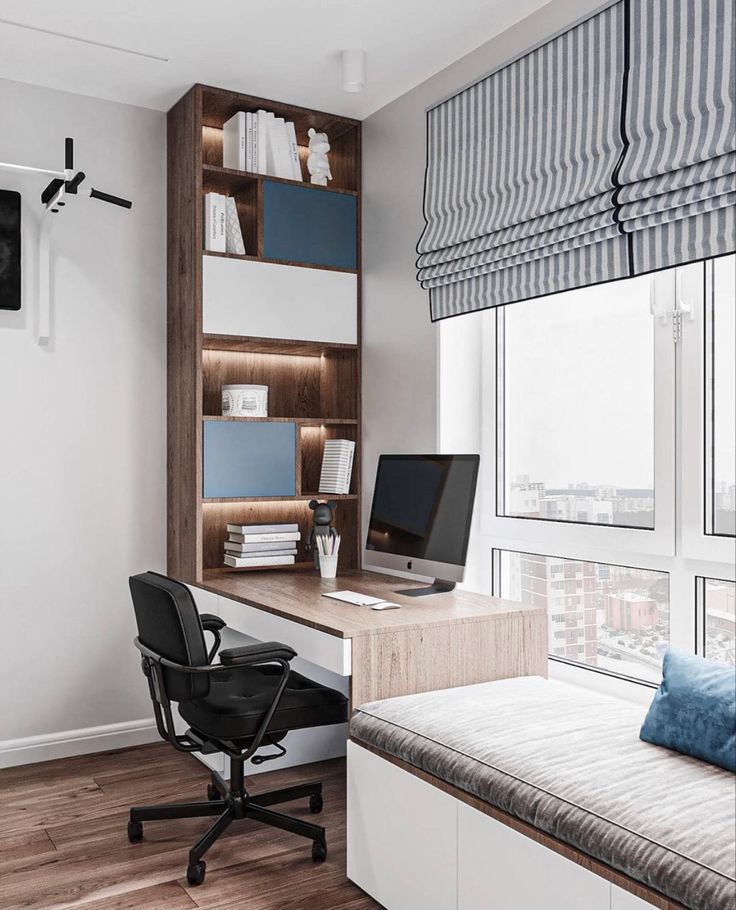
(278, 301)
(402, 836)
(500, 869)
(622, 900)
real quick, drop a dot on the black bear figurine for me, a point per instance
(321, 525)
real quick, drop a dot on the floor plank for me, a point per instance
(169, 896)
(64, 844)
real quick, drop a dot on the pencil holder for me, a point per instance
(327, 566)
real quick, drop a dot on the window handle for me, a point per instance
(684, 302)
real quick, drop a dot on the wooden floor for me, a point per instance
(63, 840)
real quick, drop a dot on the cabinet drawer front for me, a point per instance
(248, 459)
(301, 224)
(499, 867)
(266, 300)
(402, 836)
(319, 648)
(622, 900)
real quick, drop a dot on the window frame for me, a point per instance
(467, 422)
(605, 537)
(695, 291)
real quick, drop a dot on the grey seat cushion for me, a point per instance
(570, 762)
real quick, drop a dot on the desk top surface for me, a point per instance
(298, 596)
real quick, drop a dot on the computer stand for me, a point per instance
(438, 586)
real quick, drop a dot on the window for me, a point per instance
(621, 624)
(576, 407)
(717, 609)
(605, 422)
(720, 398)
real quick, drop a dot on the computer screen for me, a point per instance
(422, 507)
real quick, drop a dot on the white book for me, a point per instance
(278, 137)
(234, 141)
(264, 155)
(233, 233)
(239, 549)
(276, 528)
(264, 538)
(293, 151)
(249, 158)
(249, 548)
(243, 562)
(215, 218)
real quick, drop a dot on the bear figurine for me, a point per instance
(322, 525)
(317, 163)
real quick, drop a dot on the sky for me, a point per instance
(580, 387)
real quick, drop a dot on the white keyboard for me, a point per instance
(352, 597)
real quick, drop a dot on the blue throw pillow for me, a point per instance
(694, 710)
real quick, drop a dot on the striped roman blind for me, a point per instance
(608, 152)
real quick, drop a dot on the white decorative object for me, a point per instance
(245, 401)
(317, 163)
(353, 70)
(337, 466)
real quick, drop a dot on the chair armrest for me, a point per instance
(210, 622)
(257, 653)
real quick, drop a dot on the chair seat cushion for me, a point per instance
(237, 701)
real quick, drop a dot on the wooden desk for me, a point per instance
(433, 642)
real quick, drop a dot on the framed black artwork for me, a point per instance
(9, 250)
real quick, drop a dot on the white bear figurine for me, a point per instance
(317, 163)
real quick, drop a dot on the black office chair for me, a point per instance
(250, 699)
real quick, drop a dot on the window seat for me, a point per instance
(570, 763)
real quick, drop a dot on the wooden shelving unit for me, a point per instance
(312, 384)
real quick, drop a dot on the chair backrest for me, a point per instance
(169, 624)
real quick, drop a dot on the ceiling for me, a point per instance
(281, 49)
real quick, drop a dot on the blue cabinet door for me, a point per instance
(301, 224)
(247, 458)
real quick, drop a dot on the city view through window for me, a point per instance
(720, 620)
(611, 617)
(576, 407)
(575, 441)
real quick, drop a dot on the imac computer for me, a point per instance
(420, 518)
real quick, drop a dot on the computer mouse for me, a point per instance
(385, 605)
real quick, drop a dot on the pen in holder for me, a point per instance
(327, 550)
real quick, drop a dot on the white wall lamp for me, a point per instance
(353, 70)
(54, 197)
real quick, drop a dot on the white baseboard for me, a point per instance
(66, 743)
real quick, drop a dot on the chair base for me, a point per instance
(230, 803)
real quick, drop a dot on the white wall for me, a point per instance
(400, 350)
(82, 424)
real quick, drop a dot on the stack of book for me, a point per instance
(337, 466)
(256, 546)
(262, 143)
(222, 233)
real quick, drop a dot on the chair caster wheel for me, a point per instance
(135, 832)
(316, 803)
(319, 852)
(212, 792)
(195, 873)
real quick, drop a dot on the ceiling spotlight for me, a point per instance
(353, 70)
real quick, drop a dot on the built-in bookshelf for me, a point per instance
(230, 321)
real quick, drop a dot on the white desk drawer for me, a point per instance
(319, 648)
